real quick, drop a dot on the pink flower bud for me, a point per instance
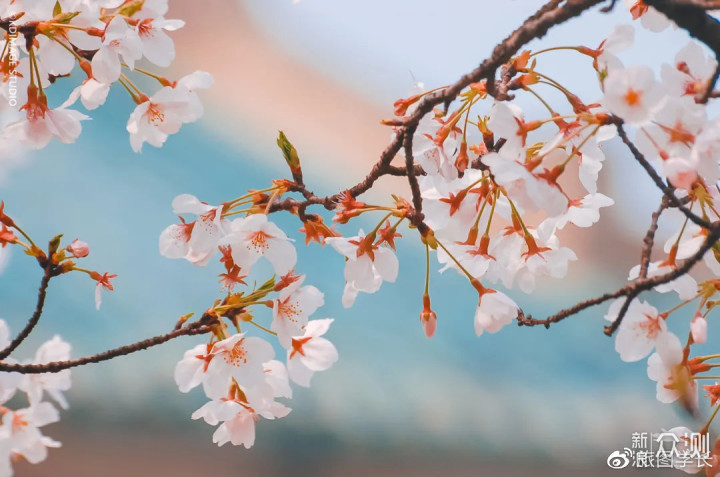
(698, 329)
(78, 249)
(428, 318)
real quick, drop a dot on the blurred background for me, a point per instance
(522, 402)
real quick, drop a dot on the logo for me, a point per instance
(678, 448)
(619, 460)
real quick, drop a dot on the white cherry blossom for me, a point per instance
(240, 358)
(620, 39)
(157, 46)
(691, 72)
(310, 352)
(641, 327)
(164, 113)
(665, 367)
(292, 309)
(121, 44)
(256, 236)
(494, 310)
(22, 428)
(36, 385)
(633, 94)
(41, 123)
(195, 241)
(366, 267)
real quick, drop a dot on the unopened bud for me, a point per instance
(428, 318)
(289, 151)
(78, 249)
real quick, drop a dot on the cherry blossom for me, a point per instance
(620, 39)
(666, 368)
(276, 376)
(428, 318)
(367, 265)
(22, 429)
(241, 409)
(157, 46)
(490, 188)
(673, 129)
(449, 201)
(164, 113)
(649, 17)
(310, 352)
(292, 309)
(35, 385)
(92, 93)
(640, 329)
(523, 187)
(41, 123)
(54, 56)
(103, 283)
(633, 94)
(78, 249)
(698, 329)
(9, 382)
(494, 310)
(506, 120)
(255, 236)
(542, 258)
(691, 72)
(240, 358)
(121, 44)
(190, 371)
(582, 212)
(238, 422)
(195, 241)
(435, 159)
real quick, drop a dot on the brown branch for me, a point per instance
(536, 26)
(412, 179)
(35, 318)
(692, 17)
(667, 190)
(630, 290)
(57, 366)
(649, 239)
(642, 284)
(700, 4)
(709, 89)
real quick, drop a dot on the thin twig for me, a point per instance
(649, 239)
(667, 190)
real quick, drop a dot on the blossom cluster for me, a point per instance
(20, 433)
(495, 191)
(491, 190)
(520, 172)
(102, 40)
(239, 372)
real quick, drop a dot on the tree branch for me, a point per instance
(57, 366)
(667, 190)
(649, 239)
(630, 290)
(536, 26)
(35, 318)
